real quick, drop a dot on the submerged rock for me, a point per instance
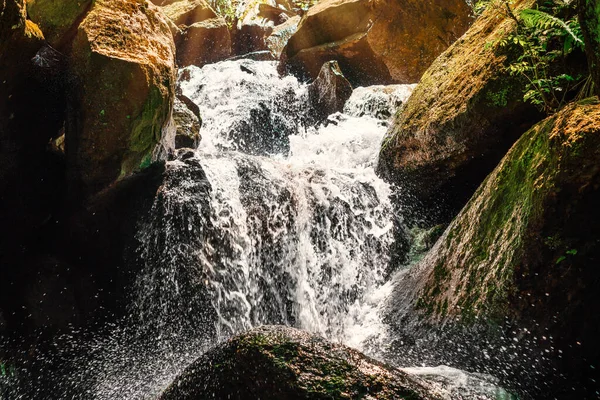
(124, 65)
(375, 42)
(463, 116)
(377, 101)
(525, 249)
(286, 363)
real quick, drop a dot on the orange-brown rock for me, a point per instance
(463, 116)
(201, 36)
(188, 12)
(124, 65)
(375, 41)
(203, 43)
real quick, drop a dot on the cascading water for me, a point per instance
(270, 221)
(298, 235)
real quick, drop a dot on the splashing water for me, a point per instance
(272, 221)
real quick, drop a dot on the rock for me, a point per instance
(250, 38)
(203, 43)
(375, 42)
(329, 92)
(188, 12)
(58, 19)
(188, 122)
(524, 250)
(124, 68)
(462, 117)
(280, 35)
(377, 101)
(281, 362)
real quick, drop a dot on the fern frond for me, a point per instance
(541, 20)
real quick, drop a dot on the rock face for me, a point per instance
(329, 92)
(375, 41)
(524, 248)
(124, 64)
(280, 362)
(462, 117)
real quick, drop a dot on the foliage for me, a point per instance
(226, 9)
(543, 39)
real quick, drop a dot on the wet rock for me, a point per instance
(462, 117)
(280, 35)
(375, 42)
(203, 43)
(188, 122)
(329, 92)
(256, 22)
(522, 250)
(58, 19)
(124, 88)
(280, 362)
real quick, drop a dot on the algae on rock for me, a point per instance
(462, 117)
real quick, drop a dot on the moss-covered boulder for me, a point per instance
(58, 19)
(375, 41)
(526, 249)
(286, 363)
(461, 119)
(123, 63)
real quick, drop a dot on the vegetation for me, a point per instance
(543, 39)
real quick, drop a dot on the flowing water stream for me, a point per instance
(270, 221)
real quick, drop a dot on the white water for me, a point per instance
(326, 212)
(256, 229)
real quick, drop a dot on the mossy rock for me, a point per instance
(286, 363)
(462, 117)
(124, 66)
(58, 19)
(525, 251)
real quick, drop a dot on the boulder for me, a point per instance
(58, 19)
(123, 62)
(188, 12)
(186, 116)
(524, 250)
(280, 35)
(204, 42)
(375, 41)
(256, 21)
(329, 92)
(280, 362)
(463, 116)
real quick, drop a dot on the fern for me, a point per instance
(540, 20)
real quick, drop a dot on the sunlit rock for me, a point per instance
(375, 42)
(124, 65)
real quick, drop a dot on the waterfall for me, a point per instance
(290, 226)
